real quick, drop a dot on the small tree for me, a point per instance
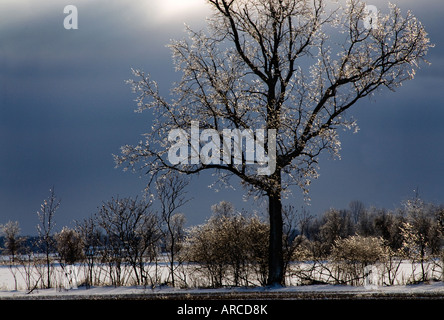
(69, 246)
(295, 226)
(70, 249)
(45, 230)
(336, 224)
(171, 193)
(418, 233)
(130, 235)
(14, 244)
(223, 209)
(90, 236)
(204, 247)
(392, 260)
(257, 235)
(388, 226)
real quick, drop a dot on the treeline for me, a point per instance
(343, 243)
(128, 242)
(117, 245)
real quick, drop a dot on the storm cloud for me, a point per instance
(65, 109)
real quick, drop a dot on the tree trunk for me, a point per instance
(48, 265)
(275, 254)
(172, 259)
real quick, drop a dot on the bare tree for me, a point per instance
(45, 230)
(440, 227)
(70, 250)
(418, 233)
(357, 209)
(171, 193)
(13, 242)
(131, 235)
(91, 238)
(29, 270)
(223, 209)
(388, 225)
(295, 224)
(292, 68)
(337, 225)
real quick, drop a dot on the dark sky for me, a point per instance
(65, 109)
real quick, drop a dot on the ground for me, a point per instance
(423, 301)
(432, 291)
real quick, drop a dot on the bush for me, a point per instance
(358, 249)
(69, 246)
(229, 247)
(350, 256)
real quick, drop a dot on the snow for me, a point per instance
(69, 290)
(434, 288)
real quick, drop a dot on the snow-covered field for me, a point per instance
(67, 288)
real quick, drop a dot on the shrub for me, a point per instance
(69, 246)
(228, 247)
(351, 255)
